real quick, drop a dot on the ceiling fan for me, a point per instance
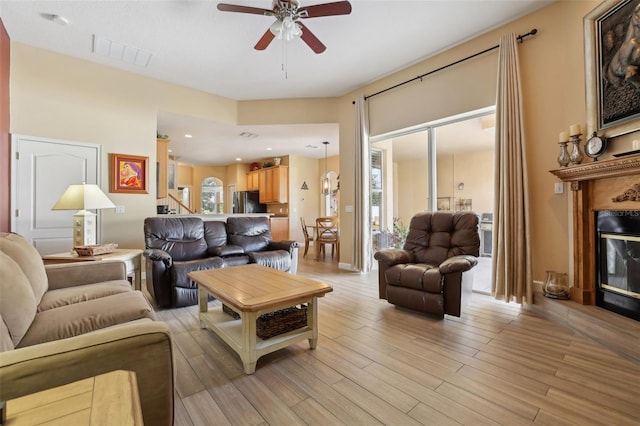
(287, 14)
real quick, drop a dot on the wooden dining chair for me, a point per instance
(327, 232)
(307, 237)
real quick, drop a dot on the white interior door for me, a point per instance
(42, 169)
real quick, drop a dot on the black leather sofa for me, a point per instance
(175, 246)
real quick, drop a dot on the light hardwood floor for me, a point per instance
(377, 364)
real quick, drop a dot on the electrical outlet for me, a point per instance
(119, 209)
(558, 188)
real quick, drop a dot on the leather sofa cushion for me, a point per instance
(29, 260)
(82, 293)
(250, 233)
(81, 318)
(181, 269)
(235, 261)
(276, 259)
(215, 233)
(224, 251)
(17, 302)
(181, 237)
(416, 276)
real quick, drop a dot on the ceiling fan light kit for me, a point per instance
(287, 13)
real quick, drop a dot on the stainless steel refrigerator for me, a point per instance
(248, 202)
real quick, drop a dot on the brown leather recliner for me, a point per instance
(432, 272)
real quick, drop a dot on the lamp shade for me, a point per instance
(85, 196)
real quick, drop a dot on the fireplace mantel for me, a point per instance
(595, 186)
(600, 169)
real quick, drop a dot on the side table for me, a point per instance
(131, 257)
(110, 398)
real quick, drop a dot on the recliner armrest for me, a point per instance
(283, 245)
(392, 256)
(459, 263)
(159, 255)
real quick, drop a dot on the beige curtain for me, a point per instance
(362, 171)
(511, 247)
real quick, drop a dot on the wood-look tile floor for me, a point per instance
(377, 364)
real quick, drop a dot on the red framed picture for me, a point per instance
(128, 174)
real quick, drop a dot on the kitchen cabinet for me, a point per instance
(273, 184)
(279, 228)
(253, 182)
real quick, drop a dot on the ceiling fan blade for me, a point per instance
(265, 40)
(224, 7)
(325, 9)
(309, 38)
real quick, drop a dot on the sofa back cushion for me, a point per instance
(28, 259)
(181, 237)
(215, 233)
(17, 302)
(250, 233)
(434, 237)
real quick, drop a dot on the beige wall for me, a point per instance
(554, 98)
(60, 97)
(79, 101)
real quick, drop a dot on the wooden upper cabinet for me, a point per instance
(253, 183)
(273, 184)
(162, 154)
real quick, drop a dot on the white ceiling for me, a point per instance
(193, 44)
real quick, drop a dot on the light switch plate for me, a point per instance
(119, 209)
(558, 188)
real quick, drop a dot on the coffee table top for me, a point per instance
(255, 287)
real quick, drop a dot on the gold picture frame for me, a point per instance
(610, 112)
(128, 174)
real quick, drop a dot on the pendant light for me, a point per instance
(325, 181)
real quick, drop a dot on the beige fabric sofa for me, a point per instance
(63, 323)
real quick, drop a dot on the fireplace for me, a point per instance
(618, 261)
(602, 186)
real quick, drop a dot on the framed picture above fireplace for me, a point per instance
(611, 65)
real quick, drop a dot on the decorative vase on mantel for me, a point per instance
(556, 285)
(563, 158)
(576, 156)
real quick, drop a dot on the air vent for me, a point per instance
(120, 51)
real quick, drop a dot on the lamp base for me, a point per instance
(84, 228)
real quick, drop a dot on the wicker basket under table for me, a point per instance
(277, 322)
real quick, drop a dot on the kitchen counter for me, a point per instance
(222, 217)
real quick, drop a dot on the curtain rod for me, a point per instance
(520, 39)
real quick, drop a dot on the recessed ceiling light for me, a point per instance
(170, 150)
(238, 159)
(269, 148)
(188, 135)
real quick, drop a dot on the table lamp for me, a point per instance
(83, 197)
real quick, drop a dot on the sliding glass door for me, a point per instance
(441, 166)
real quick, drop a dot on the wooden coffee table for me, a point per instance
(252, 290)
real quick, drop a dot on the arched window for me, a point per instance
(212, 196)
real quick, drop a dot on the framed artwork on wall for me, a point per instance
(612, 68)
(128, 174)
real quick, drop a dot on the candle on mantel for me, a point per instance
(574, 129)
(564, 137)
